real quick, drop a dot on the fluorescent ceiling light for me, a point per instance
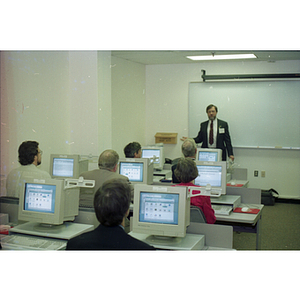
(220, 57)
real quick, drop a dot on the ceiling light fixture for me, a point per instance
(220, 57)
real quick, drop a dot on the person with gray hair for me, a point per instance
(108, 160)
(108, 165)
(188, 149)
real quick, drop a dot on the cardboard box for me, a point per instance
(166, 138)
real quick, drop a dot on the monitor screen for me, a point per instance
(39, 197)
(161, 211)
(63, 167)
(159, 208)
(206, 154)
(155, 154)
(138, 170)
(132, 170)
(213, 173)
(47, 202)
(67, 165)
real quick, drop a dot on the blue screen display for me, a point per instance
(158, 207)
(208, 156)
(39, 197)
(209, 175)
(133, 170)
(63, 167)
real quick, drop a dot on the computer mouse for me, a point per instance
(232, 183)
(245, 209)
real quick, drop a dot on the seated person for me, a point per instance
(108, 165)
(30, 156)
(111, 205)
(186, 171)
(133, 150)
(188, 149)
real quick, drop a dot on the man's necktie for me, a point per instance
(211, 133)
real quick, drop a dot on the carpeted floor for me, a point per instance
(280, 229)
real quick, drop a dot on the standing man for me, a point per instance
(214, 133)
(30, 156)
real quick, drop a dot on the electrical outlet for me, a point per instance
(263, 173)
(256, 173)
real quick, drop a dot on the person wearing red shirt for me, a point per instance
(186, 171)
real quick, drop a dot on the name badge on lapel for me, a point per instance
(221, 130)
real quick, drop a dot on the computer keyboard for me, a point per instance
(24, 242)
(86, 206)
(221, 209)
(86, 203)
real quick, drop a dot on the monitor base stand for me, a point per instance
(42, 227)
(163, 240)
(65, 231)
(189, 242)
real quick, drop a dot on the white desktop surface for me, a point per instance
(242, 217)
(65, 232)
(189, 242)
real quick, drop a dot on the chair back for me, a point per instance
(197, 215)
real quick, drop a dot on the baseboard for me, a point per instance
(285, 200)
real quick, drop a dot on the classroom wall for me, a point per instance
(167, 111)
(128, 103)
(64, 100)
(34, 101)
(68, 101)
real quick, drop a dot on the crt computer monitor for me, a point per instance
(161, 211)
(212, 173)
(156, 153)
(67, 165)
(47, 202)
(208, 154)
(138, 170)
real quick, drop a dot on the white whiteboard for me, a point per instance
(259, 113)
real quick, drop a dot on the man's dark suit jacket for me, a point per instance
(223, 139)
(106, 238)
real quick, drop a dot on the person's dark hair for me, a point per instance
(186, 170)
(108, 159)
(211, 106)
(131, 149)
(112, 201)
(27, 151)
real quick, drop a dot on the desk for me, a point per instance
(189, 242)
(244, 222)
(217, 237)
(238, 183)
